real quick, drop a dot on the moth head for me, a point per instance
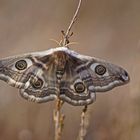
(107, 76)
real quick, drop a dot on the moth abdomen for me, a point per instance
(59, 74)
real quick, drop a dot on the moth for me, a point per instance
(61, 72)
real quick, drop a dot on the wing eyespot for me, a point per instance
(100, 69)
(79, 87)
(21, 65)
(37, 83)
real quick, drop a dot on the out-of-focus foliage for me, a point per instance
(108, 29)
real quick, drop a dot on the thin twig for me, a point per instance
(58, 116)
(58, 119)
(83, 124)
(67, 34)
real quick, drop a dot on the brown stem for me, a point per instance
(58, 119)
(83, 124)
(67, 34)
(58, 116)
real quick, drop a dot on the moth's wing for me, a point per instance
(105, 76)
(95, 74)
(33, 74)
(76, 86)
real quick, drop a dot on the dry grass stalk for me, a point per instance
(83, 124)
(58, 116)
(58, 119)
(67, 35)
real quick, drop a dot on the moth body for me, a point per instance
(75, 78)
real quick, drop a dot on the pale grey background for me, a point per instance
(108, 29)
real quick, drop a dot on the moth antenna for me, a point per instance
(58, 43)
(71, 43)
(55, 41)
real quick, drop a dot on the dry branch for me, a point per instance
(58, 119)
(83, 124)
(58, 116)
(67, 35)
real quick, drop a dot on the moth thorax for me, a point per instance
(60, 58)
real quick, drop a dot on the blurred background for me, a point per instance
(107, 29)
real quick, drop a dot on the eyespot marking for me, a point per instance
(100, 69)
(79, 87)
(21, 65)
(37, 83)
